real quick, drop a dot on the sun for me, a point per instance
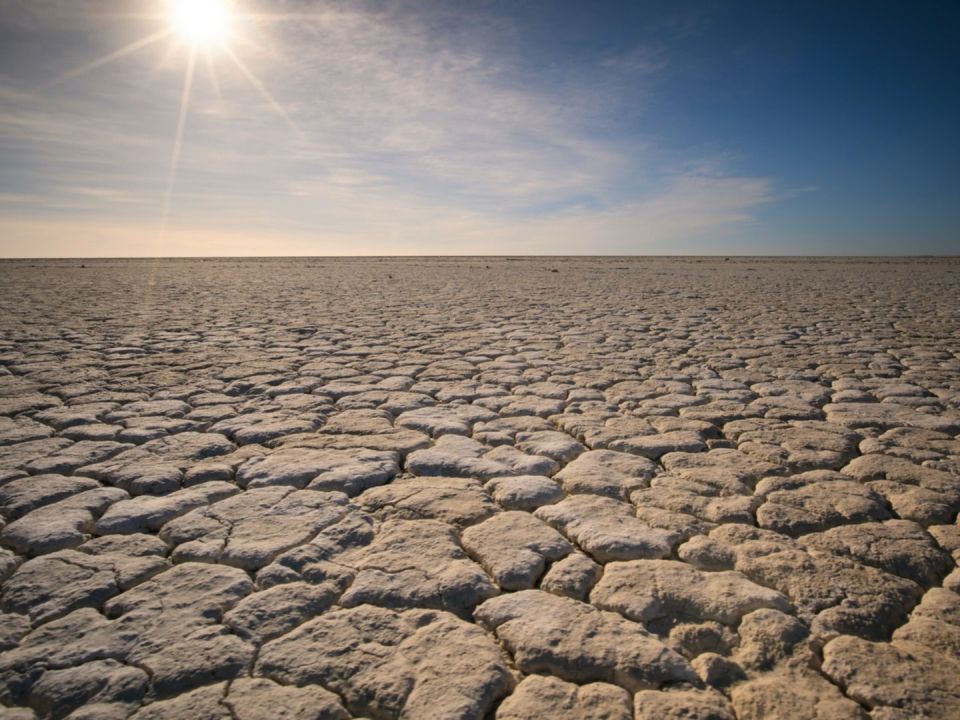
(202, 23)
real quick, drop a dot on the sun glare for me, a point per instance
(201, 22)
(204, 26)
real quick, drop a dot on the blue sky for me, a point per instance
(485, 127)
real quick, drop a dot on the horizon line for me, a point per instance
(929, 256)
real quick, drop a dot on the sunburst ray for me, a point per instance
(262, 89)
(112, 57)
(178, 141)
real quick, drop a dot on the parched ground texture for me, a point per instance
(480, 488)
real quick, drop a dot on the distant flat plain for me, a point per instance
(470, 487)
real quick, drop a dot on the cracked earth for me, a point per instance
(480, 488)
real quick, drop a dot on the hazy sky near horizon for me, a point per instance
(347, 127)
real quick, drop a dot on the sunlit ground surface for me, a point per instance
(473, 488)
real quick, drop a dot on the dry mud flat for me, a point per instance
(480, 488)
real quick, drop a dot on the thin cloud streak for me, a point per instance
(690, 216)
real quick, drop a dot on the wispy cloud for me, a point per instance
(416, 133)
(691, 215)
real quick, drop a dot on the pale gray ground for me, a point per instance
(480, 488)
